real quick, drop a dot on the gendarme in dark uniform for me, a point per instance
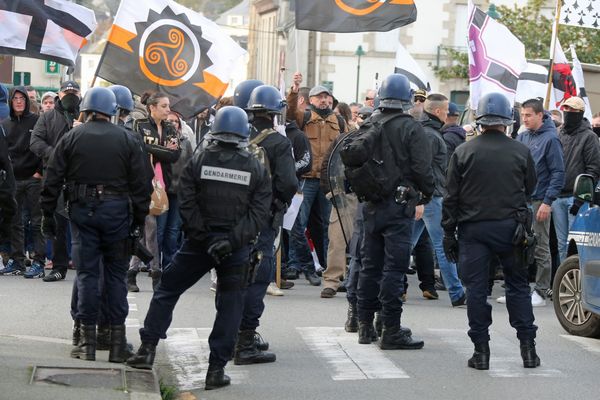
(490, 180)
(225, 196)
(388, 224)
(100, 164)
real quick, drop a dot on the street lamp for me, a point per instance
(359, 52)
(492, 12)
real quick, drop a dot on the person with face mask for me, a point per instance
(596, 124)
(581, 156)
(48, 130)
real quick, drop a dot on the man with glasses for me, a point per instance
(419, 103)
(370, 98)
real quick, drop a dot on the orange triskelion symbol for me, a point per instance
(368, 10)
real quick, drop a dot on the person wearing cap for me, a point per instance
(454, 135)
(483, 205)
(225, 197)
(581, 156)
(322, 126)
(27, 168)
(49, 129)
(418, 104)
(98, 163)
(48, 101)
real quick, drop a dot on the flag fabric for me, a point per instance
(533, 82)
(580, 83)
(582, 13)
(161, 45)
(496, 57)
(407, 66)
(562, 77)
(52, 30)
(354, 15)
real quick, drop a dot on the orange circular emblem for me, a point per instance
(362, 11)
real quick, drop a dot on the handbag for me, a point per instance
(159, 202)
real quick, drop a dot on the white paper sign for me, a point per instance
(290, 216)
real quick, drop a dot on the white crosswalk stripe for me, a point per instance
(187, 350)
(132, 323)
(505, 360)
(346, 358)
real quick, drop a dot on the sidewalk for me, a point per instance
(60, 377)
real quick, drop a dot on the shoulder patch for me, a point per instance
(226, 175)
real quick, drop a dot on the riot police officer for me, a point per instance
(98, 163)
(225, 196)
(264, 104)
(388, 223)
(490, 180)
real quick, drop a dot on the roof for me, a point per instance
(241, 9)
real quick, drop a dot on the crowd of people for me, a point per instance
(212, 193)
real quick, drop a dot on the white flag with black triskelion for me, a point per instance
(48, 29)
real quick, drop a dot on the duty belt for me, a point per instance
(98, 191)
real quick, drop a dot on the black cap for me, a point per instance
(69, 85)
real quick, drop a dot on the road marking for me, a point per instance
(133, 307)
(591, 345)
(188, 351)
(505, 360)
(346, 358)
(132, 323)
(130, 296)
(39, 339)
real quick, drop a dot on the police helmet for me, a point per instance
(100, 100)
(395, 92)
(230, 125)
(124, 97)
(266, 98)
(242, 92)
(494, 109)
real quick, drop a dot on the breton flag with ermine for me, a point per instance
(354, 15)
(581, 13)
(496, 57)
(52, 30)
(164, 46)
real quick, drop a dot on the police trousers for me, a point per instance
(478, 242)
(386, 251)
(100, 230)
(190, 264)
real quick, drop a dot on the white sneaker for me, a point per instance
(273, 290)
(501, 300)
(537, 300)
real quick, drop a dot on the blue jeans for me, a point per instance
(432, 219)
(299, 254)
(562, 223)
(168, 231)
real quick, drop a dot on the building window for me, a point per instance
(235, 20)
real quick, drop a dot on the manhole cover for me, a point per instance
(107, 378)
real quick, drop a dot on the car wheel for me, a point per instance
(566, 295)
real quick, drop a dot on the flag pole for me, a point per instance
(555, 27)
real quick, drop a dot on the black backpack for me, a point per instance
(368, 157)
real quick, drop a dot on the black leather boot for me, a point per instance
(131, 282)
(351, 324)
(529, 355)
(246, 351)
(144, 358)
(103, 338)
(119, 350)
(481, 356)
(261, 344)
(76, 332)
(216, 378)
(86, 348)
(396, 338)
(366, 333)
(378, 323)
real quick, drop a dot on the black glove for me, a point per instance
(135, 230)
(451, 247)
(220, 250)
(48, 226)
(577, 203)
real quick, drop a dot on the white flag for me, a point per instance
(407, 66)
(582, 13)
(562, 77)
(496, 57)
(532, 83)
(580, 82)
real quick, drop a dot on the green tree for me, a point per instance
(535, 31)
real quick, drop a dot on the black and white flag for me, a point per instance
(48, 29)
(582, 13)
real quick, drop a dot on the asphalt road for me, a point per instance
(316, 359)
